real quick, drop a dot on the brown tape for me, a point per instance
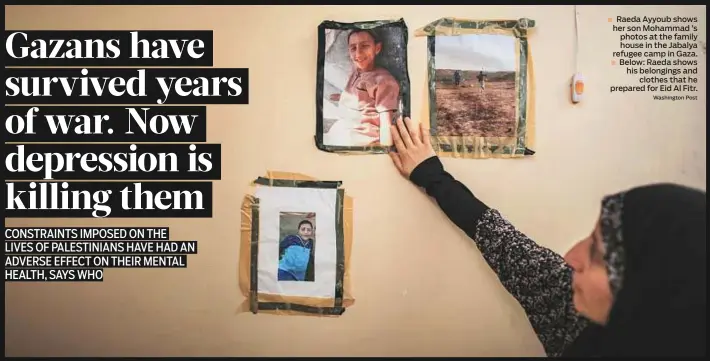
(288, 305)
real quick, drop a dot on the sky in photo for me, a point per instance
(475, 52)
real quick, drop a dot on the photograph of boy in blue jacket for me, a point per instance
(296, 254)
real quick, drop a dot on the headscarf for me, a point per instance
(654, 238)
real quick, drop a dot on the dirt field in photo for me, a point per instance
(466, 111)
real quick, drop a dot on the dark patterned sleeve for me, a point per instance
(537, 277)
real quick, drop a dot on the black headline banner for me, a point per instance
(54, 275)
(36, 86)
(113, 161)
(102, 261)
(109, 48)
(100, 247)
(106, 124)
(108, 199)
(86, 233)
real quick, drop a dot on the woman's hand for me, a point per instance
(413, 146)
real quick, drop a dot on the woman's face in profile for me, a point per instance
(363, 50)
(592, 292)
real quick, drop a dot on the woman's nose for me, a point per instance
(572, 258)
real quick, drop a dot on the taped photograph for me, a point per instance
(362, 85)
(481, 87)
(297, 247)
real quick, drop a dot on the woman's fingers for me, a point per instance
(413, 131)
(424, 132)
(396, 160)
(404, 133)
(397, 140)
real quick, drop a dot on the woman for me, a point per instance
(634, 287)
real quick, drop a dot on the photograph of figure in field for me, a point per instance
(297, 246)
(363, 85)
(475, 79)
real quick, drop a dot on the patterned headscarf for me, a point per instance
(655, 238)
(613, 236)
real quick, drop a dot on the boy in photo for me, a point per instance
(370, 98)
(296, 254)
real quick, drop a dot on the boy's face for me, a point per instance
(363, 50)
(305, 231)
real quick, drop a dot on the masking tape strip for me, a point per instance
(452, 26)
(474, 146)
(278, 306)
(320, 81)
(339, 247)
(255, 304)
(254, 285)
(296, 183)
(345, 150)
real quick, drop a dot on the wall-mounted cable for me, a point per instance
(577, 83)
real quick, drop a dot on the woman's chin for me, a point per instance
(577, 303)
(582, 311)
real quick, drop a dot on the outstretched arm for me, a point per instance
(454, 198)
(537, 277)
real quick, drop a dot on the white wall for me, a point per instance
(421, 286)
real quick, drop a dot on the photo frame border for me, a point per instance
(405, 84)
(248, 268)
(485, 147)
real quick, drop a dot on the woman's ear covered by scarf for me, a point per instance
(655, 252)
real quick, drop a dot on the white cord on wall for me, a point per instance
(576, 39)
(577, 84)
